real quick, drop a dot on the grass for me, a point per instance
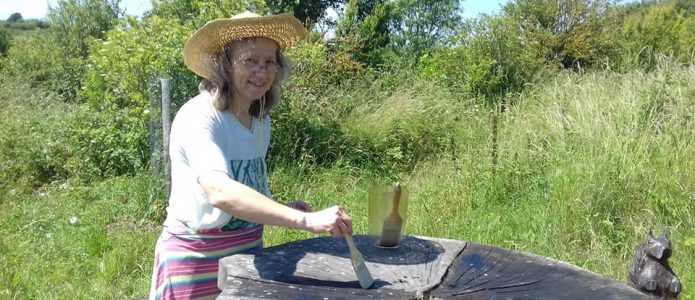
(586, 164)
(79, 242)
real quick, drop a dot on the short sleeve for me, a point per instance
(196, 138)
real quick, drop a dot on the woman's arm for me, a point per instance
(245, 203)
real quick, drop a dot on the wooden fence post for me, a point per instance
(166, 127)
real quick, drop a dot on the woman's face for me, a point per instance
(255, 64)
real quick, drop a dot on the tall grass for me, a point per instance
(586, 163)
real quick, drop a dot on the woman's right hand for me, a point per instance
(332, 220)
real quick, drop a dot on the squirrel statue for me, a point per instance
(650, 271)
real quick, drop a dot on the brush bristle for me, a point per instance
(390, 234)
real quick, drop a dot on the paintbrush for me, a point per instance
(363, 275)
(393, 223)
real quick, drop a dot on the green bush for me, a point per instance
(133, 57)
(316, 67)
(573, 34)
(75, 22)
(37, 58)
(104, 144)
(489, 61)
(195, 14)
(32, 59)
(5, 39)
(67, 141)
(657, 29)
(365, 34)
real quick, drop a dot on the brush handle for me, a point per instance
(351, 244)
(394, 216)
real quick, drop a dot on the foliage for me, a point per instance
(686, 7)
(133, 57)
(315, 67)
(194, 14)
(37, 59)
(5, 39)
(24, 25)
(307, 11)
(570, 33)
(365, 34)
(55, 59)
(67, 141)
(31, 58)
(656, 29)
(74, 22)
(420, 25)
(15, 17)
(489, 60)
(305, 128)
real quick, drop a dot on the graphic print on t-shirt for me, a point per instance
(252, 173)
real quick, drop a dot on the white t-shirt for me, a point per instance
(205, 139)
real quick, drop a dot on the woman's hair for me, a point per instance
(220, 84)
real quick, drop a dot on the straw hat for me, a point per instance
(209, 40)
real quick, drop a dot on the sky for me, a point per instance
(472, 8)
(37, 9)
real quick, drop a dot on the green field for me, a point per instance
(585, 164)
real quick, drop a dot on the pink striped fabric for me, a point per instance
(186, 263)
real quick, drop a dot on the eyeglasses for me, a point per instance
(253, 65)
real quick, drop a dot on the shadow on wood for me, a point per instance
(485, 272)
(420, 268)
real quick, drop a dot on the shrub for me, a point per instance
(75, 22)
(658, 29)
(573, 34)
(134, 55)
(316, 67)
(196, 13)
(5, 39)
(41, 145)
(489, 61)
(36, 58)
(32, 58)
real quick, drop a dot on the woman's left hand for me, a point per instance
(299, 205)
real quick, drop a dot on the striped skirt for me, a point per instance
(185, 264)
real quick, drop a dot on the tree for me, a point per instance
(571, 33)
(420, 25)
(366, 7)
(656, 29)
(305, 10)
(15, 17)
(73, 22)
(197, 13)
(364, 31)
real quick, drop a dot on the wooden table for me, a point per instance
(420, 268)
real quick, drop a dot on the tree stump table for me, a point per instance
(419, 268)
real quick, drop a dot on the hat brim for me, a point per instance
(209, 40)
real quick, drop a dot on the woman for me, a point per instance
(219, 139)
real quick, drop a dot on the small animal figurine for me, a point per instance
(650, 271)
